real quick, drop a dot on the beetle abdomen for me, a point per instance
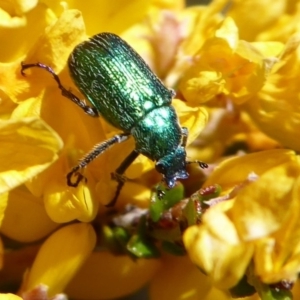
(116, 80)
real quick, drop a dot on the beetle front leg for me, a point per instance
(185, 133)
(160, 193)
(94, 153)
(91, 111)
(118, 175)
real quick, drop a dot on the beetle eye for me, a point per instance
(160, 168)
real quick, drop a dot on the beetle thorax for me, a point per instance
(158, 134)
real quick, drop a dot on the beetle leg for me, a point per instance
(87, 109)
(119, 177)
(185, 133)
(94, 153)
(160, 193)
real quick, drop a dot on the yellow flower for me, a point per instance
(29, 146)
(25, 218)
(277, 21)
(60, 257)
(180, 279)
(256, 220)
(243, 67)
(98, 277)
(217, 249)
(17, 19)
(275, 108)
(9, 297)
(47, 135)
(63, 204)
(229, 66)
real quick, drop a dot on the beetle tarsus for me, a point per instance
(119, 177)
(202, 165)
(79, 178)
(93, 154)
(160, 194)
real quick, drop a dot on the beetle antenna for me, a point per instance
(201, 164)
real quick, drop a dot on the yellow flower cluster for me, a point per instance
(235, 67)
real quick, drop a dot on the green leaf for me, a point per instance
(171, 197)
(140, 244)
(156, 208)
(121, 235)
(242, 289)
(268, 293)
(109, 239)
(190, 213)
(281, 294)
(170, 234)
(142, 248)
(173, 248)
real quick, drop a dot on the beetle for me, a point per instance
(126, 93)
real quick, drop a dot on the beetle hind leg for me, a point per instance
(185, 133)
(119, 176)
(91, 111)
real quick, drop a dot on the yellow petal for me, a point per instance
(215, 219)
(236, 170)
(97, 279)
(240, 12)
(60, 38)
(225, 65)
(220, 295)
(21, 6)
(296, 290)
(258, 208)
(228, 32)
(65, 204)
(114, 16)
(3, 204)
(25, 19)
(136, 194)
(279, 99)
(224, 261)
(25, 218)
(11, 82)
(203, 20)
(60, 257)
(202, 85)
(51, 49)
(1, 252)
(168, 4)
(28, 147)
(179, 279)
(269, 49)
(193, 118)
(9, 297)
(278, 255)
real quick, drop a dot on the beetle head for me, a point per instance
(173, 167)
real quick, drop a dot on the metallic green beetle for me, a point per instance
(125, 92)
